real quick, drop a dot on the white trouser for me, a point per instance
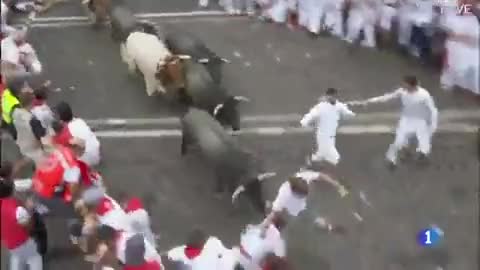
(333, 17)
(405, 23)
(91, 156)
(140, 223)
(408, 127)
(279, 11)
(326, 150)
(360, 20)
(315, 14)
(463, 68)
(303, 12)
(26, 255)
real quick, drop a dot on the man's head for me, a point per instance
(64, 112)
(331, 95)
(279, 221)
(299, 186)
(6, 183)
(196, 239)
(18, 85)
(411, 83)
(26, 99)
(273, 262)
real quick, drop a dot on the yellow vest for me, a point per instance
(9, 101)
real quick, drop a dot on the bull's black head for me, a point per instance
(227, 114)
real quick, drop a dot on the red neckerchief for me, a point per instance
(37, 102)
(134, 204)
(192, 252)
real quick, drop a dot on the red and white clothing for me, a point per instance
(60, 169)
(23, 56)
(152, 265)
(289, 201)
(110, 213)
(462, 67)
(151, 255)
(43, 113)
(139, 219)
(15, 236)
(254, 247)
(79, 129)
(214, 255)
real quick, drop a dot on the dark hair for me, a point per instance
(331, 91)
(298, 185)
(64, 111)
(15, 84)
(41, 93)
(411, 80)
(106, 233)
(57, 126)
(276, 263)
(279, 221)
(6, 184)
(196, 238)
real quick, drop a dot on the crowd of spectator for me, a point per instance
(440, 33)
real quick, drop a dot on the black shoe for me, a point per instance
(392, 166)
(422, 159)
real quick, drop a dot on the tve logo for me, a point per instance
(462, 7)
(429, 237)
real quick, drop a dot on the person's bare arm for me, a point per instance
(327, 178)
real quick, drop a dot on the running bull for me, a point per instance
(236, 169)
(181, 42)
(202, 92)
(160, 68)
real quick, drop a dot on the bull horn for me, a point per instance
(225, 60)
(184, 56)
(266, 175)
(237, 193)
(203, 60)
(241, 98)
(217, 109)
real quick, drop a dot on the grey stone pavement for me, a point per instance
(282, 72)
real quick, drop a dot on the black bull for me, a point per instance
(236, 169)
(180, 42)
(203, 93)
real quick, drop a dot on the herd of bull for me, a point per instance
(181, 67)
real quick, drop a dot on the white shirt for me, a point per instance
(214, 256)
(287, 200)
(326, 116)
(44, 114)
(22, 215)
(10, 51)
(416, 105)
(79, 129)
(151, 253)
(115, 216)
(257, 246)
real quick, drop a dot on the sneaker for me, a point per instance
(391, 165)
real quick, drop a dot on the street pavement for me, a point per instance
(90, 62)
(179, 196)
(283, 72)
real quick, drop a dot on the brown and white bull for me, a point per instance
(160, 68)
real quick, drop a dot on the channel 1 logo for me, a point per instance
(430, 237)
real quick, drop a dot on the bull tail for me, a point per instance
(237, 193)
